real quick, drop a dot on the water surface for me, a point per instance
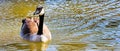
(76, 25)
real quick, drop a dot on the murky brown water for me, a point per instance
(75, 25)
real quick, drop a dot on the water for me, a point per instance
(76, 25)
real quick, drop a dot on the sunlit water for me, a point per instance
(75, 25)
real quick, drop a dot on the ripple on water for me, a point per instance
(89, 25)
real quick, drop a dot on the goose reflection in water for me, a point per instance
(32, 46)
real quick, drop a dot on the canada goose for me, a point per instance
(33, 28)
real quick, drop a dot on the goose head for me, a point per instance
(39, 11)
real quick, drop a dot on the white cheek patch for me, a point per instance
(42, 12)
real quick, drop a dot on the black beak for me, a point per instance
(38, 10)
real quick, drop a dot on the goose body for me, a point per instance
(33, 28)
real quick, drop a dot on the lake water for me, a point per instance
(76, 25)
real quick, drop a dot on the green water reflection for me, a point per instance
(76, 25)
